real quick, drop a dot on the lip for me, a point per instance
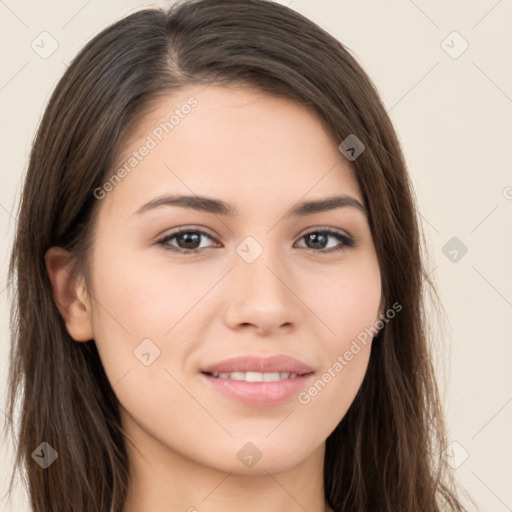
(258, 393)
(253, 363)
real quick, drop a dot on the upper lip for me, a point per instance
(254, 363)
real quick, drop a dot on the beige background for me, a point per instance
(453, 114)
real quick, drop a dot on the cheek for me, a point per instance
(349, 309)
(130, 304)
(148, 307)
(347, 300)
(143, 298)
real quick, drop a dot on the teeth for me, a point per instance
(255, 376)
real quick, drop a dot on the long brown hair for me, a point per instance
(385, 455)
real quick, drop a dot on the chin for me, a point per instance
(260, 456)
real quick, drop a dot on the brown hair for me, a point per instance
(386, 452)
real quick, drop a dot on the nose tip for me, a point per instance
(259, 298)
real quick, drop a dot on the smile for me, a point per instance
(255, 376)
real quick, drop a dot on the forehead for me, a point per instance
(238, 143)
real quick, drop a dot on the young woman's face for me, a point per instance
(264, 282)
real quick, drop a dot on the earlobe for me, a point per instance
(70, 295)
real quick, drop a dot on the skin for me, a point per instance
(262, 155)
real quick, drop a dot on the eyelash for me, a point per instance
(345, 240)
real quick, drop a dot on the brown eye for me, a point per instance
(319, 240)
(186, 240)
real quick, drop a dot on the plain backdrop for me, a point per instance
(443, 70)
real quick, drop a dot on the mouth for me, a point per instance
(254, 376)
(253, 365)
(256, 380)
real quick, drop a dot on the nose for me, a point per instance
(261, 297)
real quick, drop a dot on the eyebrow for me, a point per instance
(218, 207)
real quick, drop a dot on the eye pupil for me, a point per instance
(318, 240)
(192, 240)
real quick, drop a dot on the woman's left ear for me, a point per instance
(70, 295)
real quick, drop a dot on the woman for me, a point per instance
(219, 282)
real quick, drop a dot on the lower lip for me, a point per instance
(258, 393)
